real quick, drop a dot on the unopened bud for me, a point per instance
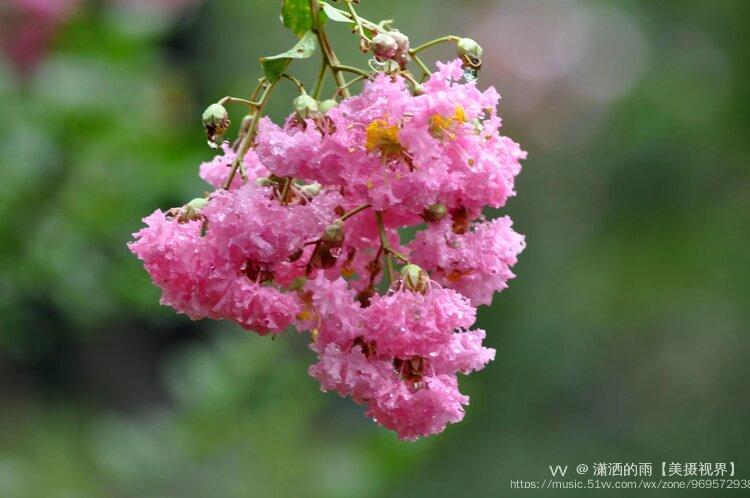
(198, 203)
(436, 212)
(216, 122)
(334, 234)
(192, 210)
(384, 46)
(311, 189)
(327, 105)
(468, 48)
(402, 41)
(298, 284)
(415, 278)
(305, 105)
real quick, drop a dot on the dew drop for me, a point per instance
(470, 74)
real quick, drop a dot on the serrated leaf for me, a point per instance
(274, 65)
(334, 14)
(296, 15)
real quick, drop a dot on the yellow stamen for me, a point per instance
(442, 127)
(383, 138)
(460, 115)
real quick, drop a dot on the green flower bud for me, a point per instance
(434, 213)
(415, 278)
(311, 189)
(198, 203)
(305, 105)
(334, 234)
(216, 122)
(192, 210)
(327, 105)
(469, 48)
(298, 284)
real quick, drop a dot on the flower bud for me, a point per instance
(198, 203)
(298, 284)
(434, 213)
(216, 122)
(327, 105)
(311, 189)
(469, 48)
(402, 41)
(192, 210)
(415, 278)
(384, 46)
(305, 105)
(334, 234)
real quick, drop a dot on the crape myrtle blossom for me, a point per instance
(216, 171)
(401, 151)
(304, 226)
(477, 262)
(399, 356)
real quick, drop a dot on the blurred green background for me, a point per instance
(624, 337)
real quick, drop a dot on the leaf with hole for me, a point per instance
(274, 65)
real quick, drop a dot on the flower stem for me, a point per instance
(247, 140)
(386, 247)
(354, 211)
(285, 189)
(425, 70)
(357, 20)
(320, 80)
(294, 80)
(347, 85)
(328, 54)
(436, 41)
(351, 69)
(233, 100)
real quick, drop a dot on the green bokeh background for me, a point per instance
(624, 338)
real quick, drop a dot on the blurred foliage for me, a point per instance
(623, 339)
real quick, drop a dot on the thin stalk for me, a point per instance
(247, 140)
(237, 100)
(436, 41)
(351, 69)
(357, 20)
(320, 80)
(411, 79)
(285, 189)
(300, 85)
(347, 85)
(325, 45)
(386, 247)
(425, 70)
(354, 211)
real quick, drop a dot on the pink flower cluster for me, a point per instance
(308, 235)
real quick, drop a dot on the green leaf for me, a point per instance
(274, 65)
(296, 15)
(334, 14)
